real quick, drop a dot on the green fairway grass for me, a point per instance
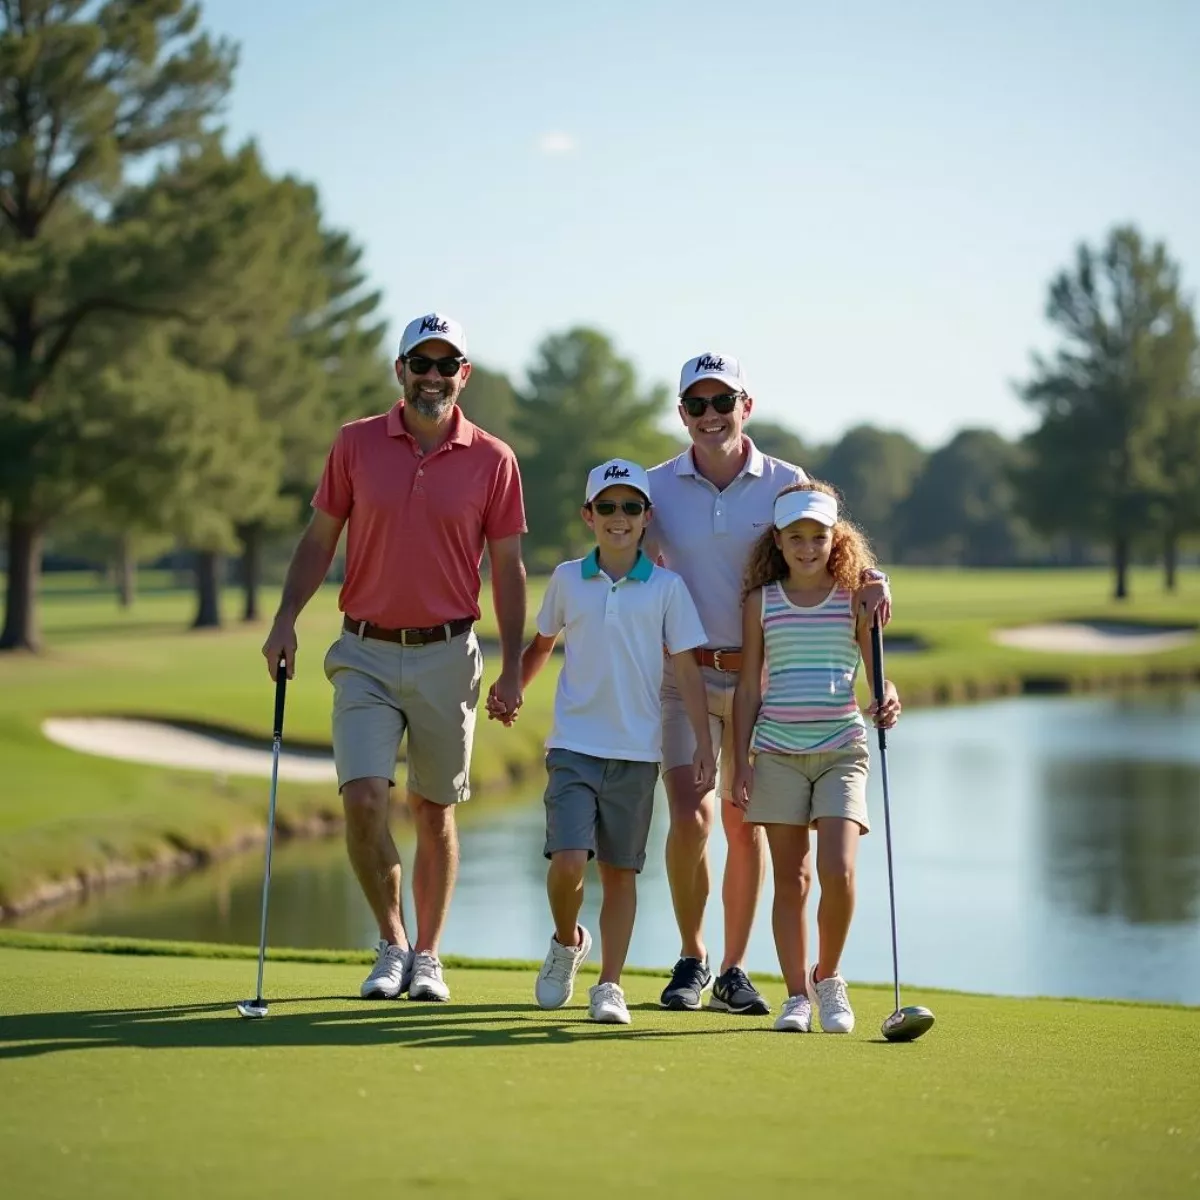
(126, 1075)
(63, 813)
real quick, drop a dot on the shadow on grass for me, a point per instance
(351, 1023)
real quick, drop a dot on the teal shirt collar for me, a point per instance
(641, 570)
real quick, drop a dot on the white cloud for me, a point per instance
(557, 144)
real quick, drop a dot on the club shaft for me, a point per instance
(877, 682)
(266, 892)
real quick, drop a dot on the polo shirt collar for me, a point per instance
(685, 464)
(462, 432)
(640, 572)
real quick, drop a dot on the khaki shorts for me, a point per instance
(800, 789)
(381, 689)
(678, 741)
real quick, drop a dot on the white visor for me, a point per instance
(805, 505)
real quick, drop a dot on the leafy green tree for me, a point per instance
(874, 469)
(961, 509)
(1179, 505)
(88, 90)
(583, 404)
(490, 401)
(781, 442)
(1107, 394)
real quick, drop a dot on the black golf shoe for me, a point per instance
(690, 979)
(734, 993)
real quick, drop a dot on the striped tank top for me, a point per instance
(812, 662)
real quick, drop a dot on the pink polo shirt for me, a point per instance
(417, 524)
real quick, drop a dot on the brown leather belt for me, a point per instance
(409, 637)
(729, 659)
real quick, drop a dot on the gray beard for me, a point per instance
(432, 408)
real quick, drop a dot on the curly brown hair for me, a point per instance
(850, 556)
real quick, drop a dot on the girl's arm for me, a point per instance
(747, 697)
(886, 716)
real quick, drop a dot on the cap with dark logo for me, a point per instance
(430, 326)
(724, 367)
(616, 471)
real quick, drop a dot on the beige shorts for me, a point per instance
(381, 689)
(678, 741)
(800, 789)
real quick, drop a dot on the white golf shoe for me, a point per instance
(831, 1003)
(390, 975)
(606, 1004)
(556, 980)
(427, 982)
(796, 1016)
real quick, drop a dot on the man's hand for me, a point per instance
(504, 698)
(888, 714)
(875, 596)
(705, 764)
(281, 643)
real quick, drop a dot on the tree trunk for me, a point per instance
(1170, 559)
(20, 595)
(1121, 566)
(208, 590)
(251, 536)
(126, 571)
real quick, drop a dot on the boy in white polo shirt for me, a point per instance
(618, 611)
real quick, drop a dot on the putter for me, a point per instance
(905, 1024)
(256, 1009)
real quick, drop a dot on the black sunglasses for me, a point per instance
(631, 508)
(724, 404)
(420, 364)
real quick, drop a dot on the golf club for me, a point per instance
(257, 1008)
(905, 1024)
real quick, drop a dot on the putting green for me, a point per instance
(133, 1076)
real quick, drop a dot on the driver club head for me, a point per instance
(252, 1010)
(907, 1024)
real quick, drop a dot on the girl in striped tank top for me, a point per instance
(801, 746)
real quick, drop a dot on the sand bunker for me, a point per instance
(1095, 637)
(160, 744)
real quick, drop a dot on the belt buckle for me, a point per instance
(404, 638)
(717, 659)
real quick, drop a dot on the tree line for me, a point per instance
(181, 332)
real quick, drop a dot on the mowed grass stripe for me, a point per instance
(133, 1076)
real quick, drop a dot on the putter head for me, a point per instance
(252, 1010)
(907, 1024)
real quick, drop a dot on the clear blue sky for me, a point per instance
(864, 201)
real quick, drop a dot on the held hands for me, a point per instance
(281, 643)
(743, 784)
(887, 715)
(504, 698)
(705, 765)
(875, 596)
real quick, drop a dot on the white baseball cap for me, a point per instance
(805, 505)
(724, 367)
(616, 471)
(430, 326)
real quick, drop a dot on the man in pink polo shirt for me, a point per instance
(422, 491)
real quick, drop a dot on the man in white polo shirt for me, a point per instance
(711, 503)
(618, 612)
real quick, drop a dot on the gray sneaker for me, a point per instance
(390, 975)
(556, 980)
(734, 993)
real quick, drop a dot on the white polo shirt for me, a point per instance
(705, 535)
(607, 704)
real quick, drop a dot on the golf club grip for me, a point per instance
(280, 692)
(877, 671)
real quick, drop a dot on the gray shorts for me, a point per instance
(601, 805)
(381, 690)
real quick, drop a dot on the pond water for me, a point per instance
(1044, 846)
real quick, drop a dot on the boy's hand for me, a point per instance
(743, 783)
(706, 767)
(888, 714)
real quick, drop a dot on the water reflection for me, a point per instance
(1123, 838)
(1043, 846)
